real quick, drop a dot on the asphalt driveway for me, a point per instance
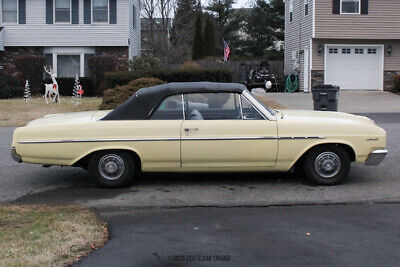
(24, 183)
(318, 235)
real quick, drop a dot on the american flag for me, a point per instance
(227, 51)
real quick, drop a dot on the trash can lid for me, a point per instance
(325, 86)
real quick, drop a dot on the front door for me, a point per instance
(224, 130)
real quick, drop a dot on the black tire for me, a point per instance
(327, 165)
(112, 168)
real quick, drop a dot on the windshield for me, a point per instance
(255, 99)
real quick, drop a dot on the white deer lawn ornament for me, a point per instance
(52, 89)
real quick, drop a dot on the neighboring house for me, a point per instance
(160, 28)
(354, 44)
(68, 32)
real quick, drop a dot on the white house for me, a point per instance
(67, 32)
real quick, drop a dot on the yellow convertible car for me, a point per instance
(200, 127)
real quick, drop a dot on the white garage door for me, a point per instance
(354, 67)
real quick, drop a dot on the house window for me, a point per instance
(350, 6)
(10, 11)
(371, 51)
(62, 11)
(306, 5)
(68, 65)
(100, 11)
(290, 11)
(333, 50)
(346, 51)
(359, 51)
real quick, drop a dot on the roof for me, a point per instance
(140, 105)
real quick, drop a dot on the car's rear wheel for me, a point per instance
(327, 165)
(112, 168)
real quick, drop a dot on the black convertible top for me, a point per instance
(141, 104)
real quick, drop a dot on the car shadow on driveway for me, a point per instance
(209, 189)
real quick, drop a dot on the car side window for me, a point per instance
(249, 112)
(170, 109)
(212, 106)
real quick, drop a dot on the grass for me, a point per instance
(15, 112)
(268, 101)
(44, 235)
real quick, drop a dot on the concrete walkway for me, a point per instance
(349, 101)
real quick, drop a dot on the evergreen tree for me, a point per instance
(198, 47)
(209, 38)
(182, 30)
(222, 9)
(264, 26)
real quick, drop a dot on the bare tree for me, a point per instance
(158, 25)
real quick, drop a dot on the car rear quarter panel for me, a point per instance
(163, 150)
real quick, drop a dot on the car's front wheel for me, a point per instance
(112, 168)
(327, 165)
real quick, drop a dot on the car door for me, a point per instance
(161, 149)
(224, 130)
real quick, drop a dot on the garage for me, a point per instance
(354, 67)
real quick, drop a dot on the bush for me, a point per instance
(116, 96)
(145, 62)
(66, 86)
(396, 83)
(98, 65)
(30, 68)
(113, 79)
(10, 87)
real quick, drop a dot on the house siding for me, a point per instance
(37, 33)
(381, 22)
(298, 34)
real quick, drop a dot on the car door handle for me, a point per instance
(190, 129)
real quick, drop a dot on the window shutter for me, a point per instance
(22, 11)
(113, 11)
(75, 11)
(49, 11)
(364, 7)
(336, 6)
(133, 16)
(87, 10)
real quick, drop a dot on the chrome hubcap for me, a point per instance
(327, 164)
(111, 166)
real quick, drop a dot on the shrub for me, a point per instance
(30, 68)
(98, 65)
(66, 86)
(145, 62)
(10, 87)
(396, 83)
(113, 79)
(119, 94)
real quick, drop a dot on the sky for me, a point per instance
(239, 3)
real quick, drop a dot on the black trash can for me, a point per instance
(325, 97)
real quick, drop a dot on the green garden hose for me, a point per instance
(291, 86)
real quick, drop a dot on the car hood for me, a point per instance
(309, 115)
(53, 119)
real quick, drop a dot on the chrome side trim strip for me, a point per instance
(98, 140)
(229, 138)
(301, 137)
(170, 139)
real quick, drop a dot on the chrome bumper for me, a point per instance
(15, 156)
(376, 157)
